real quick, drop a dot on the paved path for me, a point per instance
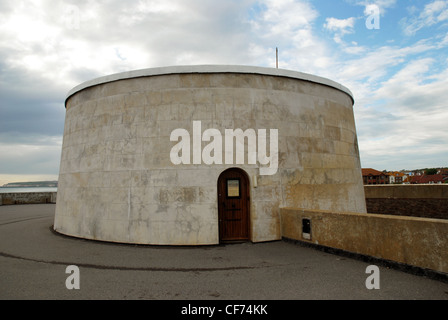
(33, 262)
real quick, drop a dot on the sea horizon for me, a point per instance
(27, 189)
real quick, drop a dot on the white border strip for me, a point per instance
(209, 69)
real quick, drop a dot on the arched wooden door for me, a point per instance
(233, 205)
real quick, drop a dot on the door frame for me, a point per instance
(246, 179)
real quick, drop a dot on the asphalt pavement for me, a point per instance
(34, 264)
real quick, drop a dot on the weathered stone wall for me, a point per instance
(426, 201)
(117, 182)
(27, 198)
(419, 242)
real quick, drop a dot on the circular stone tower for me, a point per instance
(196, 155)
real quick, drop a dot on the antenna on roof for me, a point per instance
(276, 57)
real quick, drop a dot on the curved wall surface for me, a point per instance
(143, 152)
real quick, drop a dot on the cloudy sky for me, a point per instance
(392, 54)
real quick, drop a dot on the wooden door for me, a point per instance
(233, 205)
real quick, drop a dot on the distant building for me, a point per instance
(396, 177)
(372, 176)
(427, 179)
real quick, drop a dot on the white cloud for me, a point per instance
(412, 140)
(289, 25)
(340, 27)
(381, 4)
(48, 47)
(433, 13)
(285, 16)
(411, 122)
(41, 155)
(370, 69)
(417, 89)
(55, 40)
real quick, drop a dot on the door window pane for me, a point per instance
(233, 188)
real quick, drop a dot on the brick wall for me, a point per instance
(425, 201)
(424, 208)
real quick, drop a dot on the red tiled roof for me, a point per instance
(435, 178)
(372, 172)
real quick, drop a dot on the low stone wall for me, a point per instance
(27, 198)
(426, 201)
(419, 242)
(407, 191)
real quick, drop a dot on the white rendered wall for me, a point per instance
(117, 182)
